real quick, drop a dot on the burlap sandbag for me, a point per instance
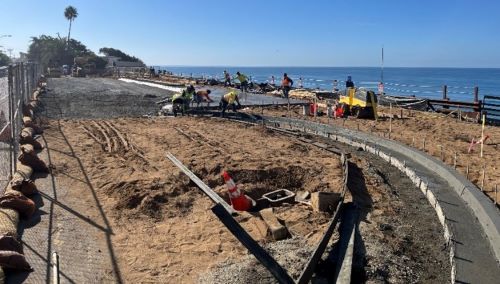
(28, 121)
(26, 137)
(26, 187)
(15, 261)
(27, 149)
(34, 105)
(25, 170)
(9, 219)
(10, 243)
(27, 111)
(34, 162)
(17, 201)
(36, 94)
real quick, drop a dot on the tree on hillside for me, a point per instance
(118, 53)
(70, 13)
(4, 59)
(51, 52)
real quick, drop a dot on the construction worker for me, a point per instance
(182, 100)
(227, 79)
(243, 81)
(202, 96)
(230, 98)
(286, 85)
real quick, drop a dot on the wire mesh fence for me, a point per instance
(17, 83)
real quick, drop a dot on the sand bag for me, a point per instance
(27, 111)
(27, 121)
(27, 149)
(26, 187)
(34, 162)
(25, 170)
(36, 94)
(10, 243)
(2, 276)
(26, 137)
(14, 260)
(17, 201)
(9, 219)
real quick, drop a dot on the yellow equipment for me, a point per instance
(359, 102)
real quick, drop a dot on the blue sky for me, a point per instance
(414, 33)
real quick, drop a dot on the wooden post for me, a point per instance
(401, 116)
(467, 171)
(358, 126)
(455, 161)
(343, 122)
(390, 119)
(423, 145)
(442, 154)
(413, 141)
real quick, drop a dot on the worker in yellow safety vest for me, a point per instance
(230, 98)
(182, 100)
(243, 81)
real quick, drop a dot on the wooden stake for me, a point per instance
(455, 161)
(442, 154)
(467, 171)
(423, 145)
(401, 114)
(413, 141)
(482, 135)
(358, 126)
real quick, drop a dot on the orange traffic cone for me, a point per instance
(238, 200)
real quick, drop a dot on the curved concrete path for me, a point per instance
(471, 221)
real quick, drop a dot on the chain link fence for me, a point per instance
(17, 84)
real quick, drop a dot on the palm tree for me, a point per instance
(70, 13)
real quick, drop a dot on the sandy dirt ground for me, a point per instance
(444, 137)
(164, 230)
(162, 227)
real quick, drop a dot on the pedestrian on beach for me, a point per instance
(335, 85)
(349, 83)
(227, 79)
(243, 81)
(300, 83)
(272, 81)
(230, 98)
(286, 85)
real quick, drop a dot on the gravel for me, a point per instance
(292, 254)
(99, 98)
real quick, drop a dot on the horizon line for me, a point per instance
(312, 66)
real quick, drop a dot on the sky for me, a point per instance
(414, 33)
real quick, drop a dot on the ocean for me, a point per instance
(419, 82)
